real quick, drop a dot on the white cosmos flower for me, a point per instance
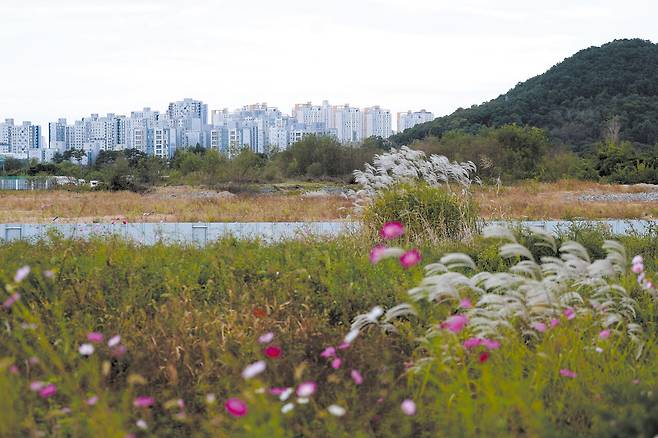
(86, 349)
(287, 408)
(253, 370)
(114, 341)
(285, 394)
(336, 410)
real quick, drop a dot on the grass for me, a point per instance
(185, 204)
(190, 318)
(179, 204)
(560, 200)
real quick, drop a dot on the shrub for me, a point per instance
(431, 213)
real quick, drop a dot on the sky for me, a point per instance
(70, 58)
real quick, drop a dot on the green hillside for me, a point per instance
(574, 100)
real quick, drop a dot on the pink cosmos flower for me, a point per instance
(14, 369)
(455, 323)
(564, 372)
(569, 313)
(357, 377)
(336, 363)
(539, 326)
(649, 284)
(376, 254)
(143, 401)
(95, 337)
(21, 274)
(273, 351)
(490, 344)
(410, 258)
(266, 338)
(604, 334)
(253, 369)
(637, 259)
(48, 274)
(37, 385)
(636, 382)
(277, 390)
(637, 268)
(11, 300)
(48, 391)
(484, 357)
(119, 351)
(408, 407)
(554, 322)
(328, 352)
(472, 343)
(91, 401)
(391, 230)
(306, 389)
(236, 407)
(465, 303)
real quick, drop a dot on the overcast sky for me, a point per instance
(69, 58)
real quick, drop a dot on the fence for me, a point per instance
(9, 183)
(198, 233)
(203, 233)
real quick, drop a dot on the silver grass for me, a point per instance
(536, 292)
(455, 260)
(510, 250)
(498, 232)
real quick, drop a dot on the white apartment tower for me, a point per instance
(376, 122)
(309, 114)
(410, 119)
(161, 142)
(348, 123)
(188, 109)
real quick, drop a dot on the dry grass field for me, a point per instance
(172, 204)
(561, 200)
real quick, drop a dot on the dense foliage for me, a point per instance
(190, 319)
(576, 101)
(312, 158)
(514, 153)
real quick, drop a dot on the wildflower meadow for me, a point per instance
(501, 332)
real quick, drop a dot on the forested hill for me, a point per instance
(573, 100)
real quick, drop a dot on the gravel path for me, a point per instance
(621, 197)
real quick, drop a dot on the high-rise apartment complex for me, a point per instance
(186, 123)
(410, 119)
(19, 139)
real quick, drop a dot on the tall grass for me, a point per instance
(429, 213)
(190, 319)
